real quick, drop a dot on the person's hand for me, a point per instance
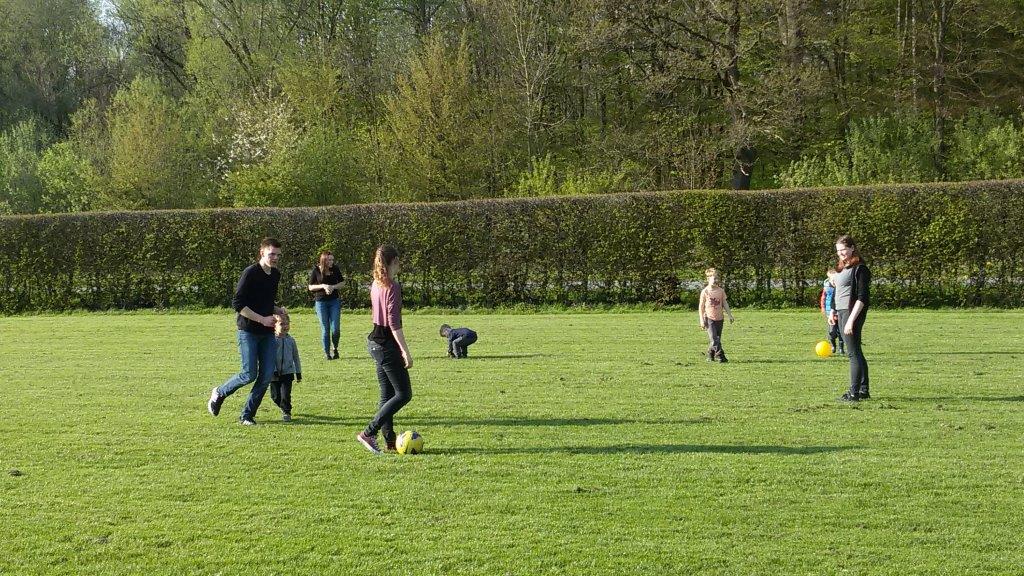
(328, 289)
(703, 326)
(848, 329)
(268, 321)
(408, 359)
(831, 319)
(731, 319)
(298, 377)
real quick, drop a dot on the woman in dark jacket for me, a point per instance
(853, 287)
(324, 281)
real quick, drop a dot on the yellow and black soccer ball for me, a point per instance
(409, 442)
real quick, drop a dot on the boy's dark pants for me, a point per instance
(835, 335)
(281, 392)
(461, 345)
(859, 382)
(715, 336)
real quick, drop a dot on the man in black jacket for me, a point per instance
(254, 300)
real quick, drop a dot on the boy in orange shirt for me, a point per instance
(713, 308)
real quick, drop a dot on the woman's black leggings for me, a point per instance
(395, 387)
(859, 382)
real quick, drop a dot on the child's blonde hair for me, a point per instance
(282, 321)
(710, 272)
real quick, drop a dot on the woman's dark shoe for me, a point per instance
(334, 355)
(847, 397)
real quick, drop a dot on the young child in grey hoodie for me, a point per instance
(287, 368)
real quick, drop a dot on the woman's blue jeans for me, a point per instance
(329, 314)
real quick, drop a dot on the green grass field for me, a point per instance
(567, 444)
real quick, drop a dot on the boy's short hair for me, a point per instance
(269, 241)
(710, 272)
(444, 328)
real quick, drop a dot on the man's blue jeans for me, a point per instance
(329, 314)
(259, 355)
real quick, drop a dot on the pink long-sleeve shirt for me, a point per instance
(386, 303)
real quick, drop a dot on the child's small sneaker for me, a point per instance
(711, 356)
(213, 404)
(247, 422)
(368, 442)
(286, 417)
(722, 358)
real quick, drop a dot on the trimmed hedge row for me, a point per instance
(949, 244)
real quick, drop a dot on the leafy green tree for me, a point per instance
(70, 184)
(53, 55)
(891, 149)
(986, 146)
(153, 163)
(20, 187)
(157, 33)
(434, 133)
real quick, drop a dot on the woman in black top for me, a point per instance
(853, 287)
(324, 281)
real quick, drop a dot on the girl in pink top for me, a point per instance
(713, 308)
(386, 344)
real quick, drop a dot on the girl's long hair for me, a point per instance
(322, 262)
(854, 259)
(383, 258)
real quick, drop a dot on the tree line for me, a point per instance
(137, 104)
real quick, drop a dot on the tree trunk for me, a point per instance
(940, 18)
(745, 155)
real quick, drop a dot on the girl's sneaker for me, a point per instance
(368, 442)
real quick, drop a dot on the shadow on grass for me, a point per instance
(652, 449)
(499, 356)
(961, 353)
(538, 422)
(316, 419)
(961, 398)
(996, 398)
(771, 361)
